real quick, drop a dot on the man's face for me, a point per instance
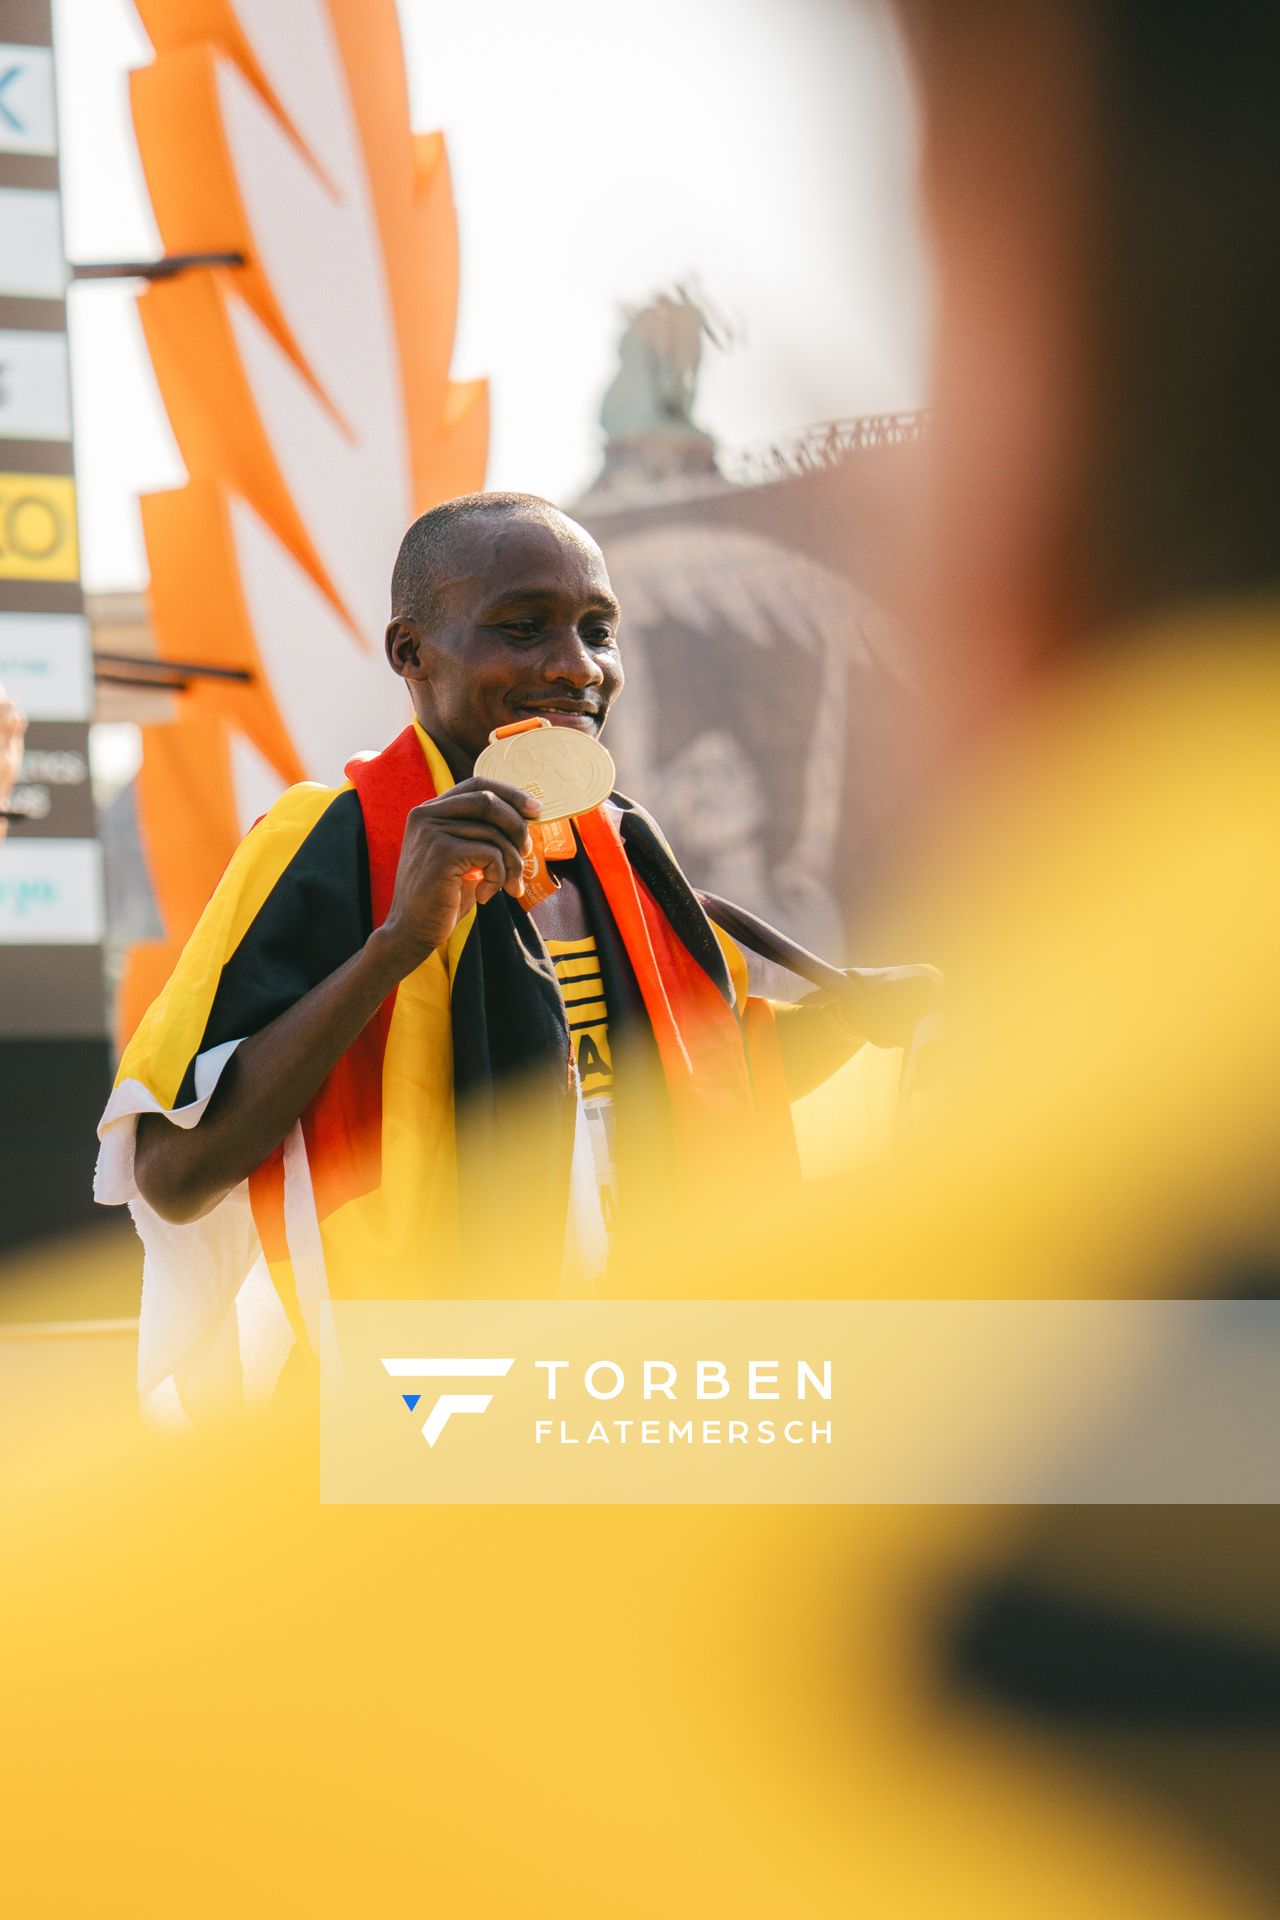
(526, 624)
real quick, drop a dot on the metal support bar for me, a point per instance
(131, 669)
(166, 268)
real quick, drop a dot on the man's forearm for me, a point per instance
(184, 1172)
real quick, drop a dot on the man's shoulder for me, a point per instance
(300, 806)
(308, 830)
(630, 817)
(653, 858)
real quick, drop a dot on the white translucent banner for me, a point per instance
(848, 1402)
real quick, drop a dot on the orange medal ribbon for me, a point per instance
(555, 841)
(552, 839)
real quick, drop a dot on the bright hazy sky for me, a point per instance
(601, 150)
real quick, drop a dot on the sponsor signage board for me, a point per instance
(51, 876)
(35, 387)
(38, 527)
(51, 893)
(53, 789)
(28, 118)
(45, 665)
(32, 266)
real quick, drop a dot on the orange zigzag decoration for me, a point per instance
(310, 396)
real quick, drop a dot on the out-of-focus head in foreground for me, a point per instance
(1100, 179)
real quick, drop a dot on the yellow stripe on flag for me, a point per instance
(169, 1034)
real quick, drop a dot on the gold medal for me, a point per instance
(568, 771)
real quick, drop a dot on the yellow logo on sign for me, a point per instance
(38, 527)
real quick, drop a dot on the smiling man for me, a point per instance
(418, 1044)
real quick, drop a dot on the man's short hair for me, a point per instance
(423, 562)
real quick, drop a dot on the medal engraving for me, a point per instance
(568, 771)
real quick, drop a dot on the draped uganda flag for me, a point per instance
(367, 1196)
